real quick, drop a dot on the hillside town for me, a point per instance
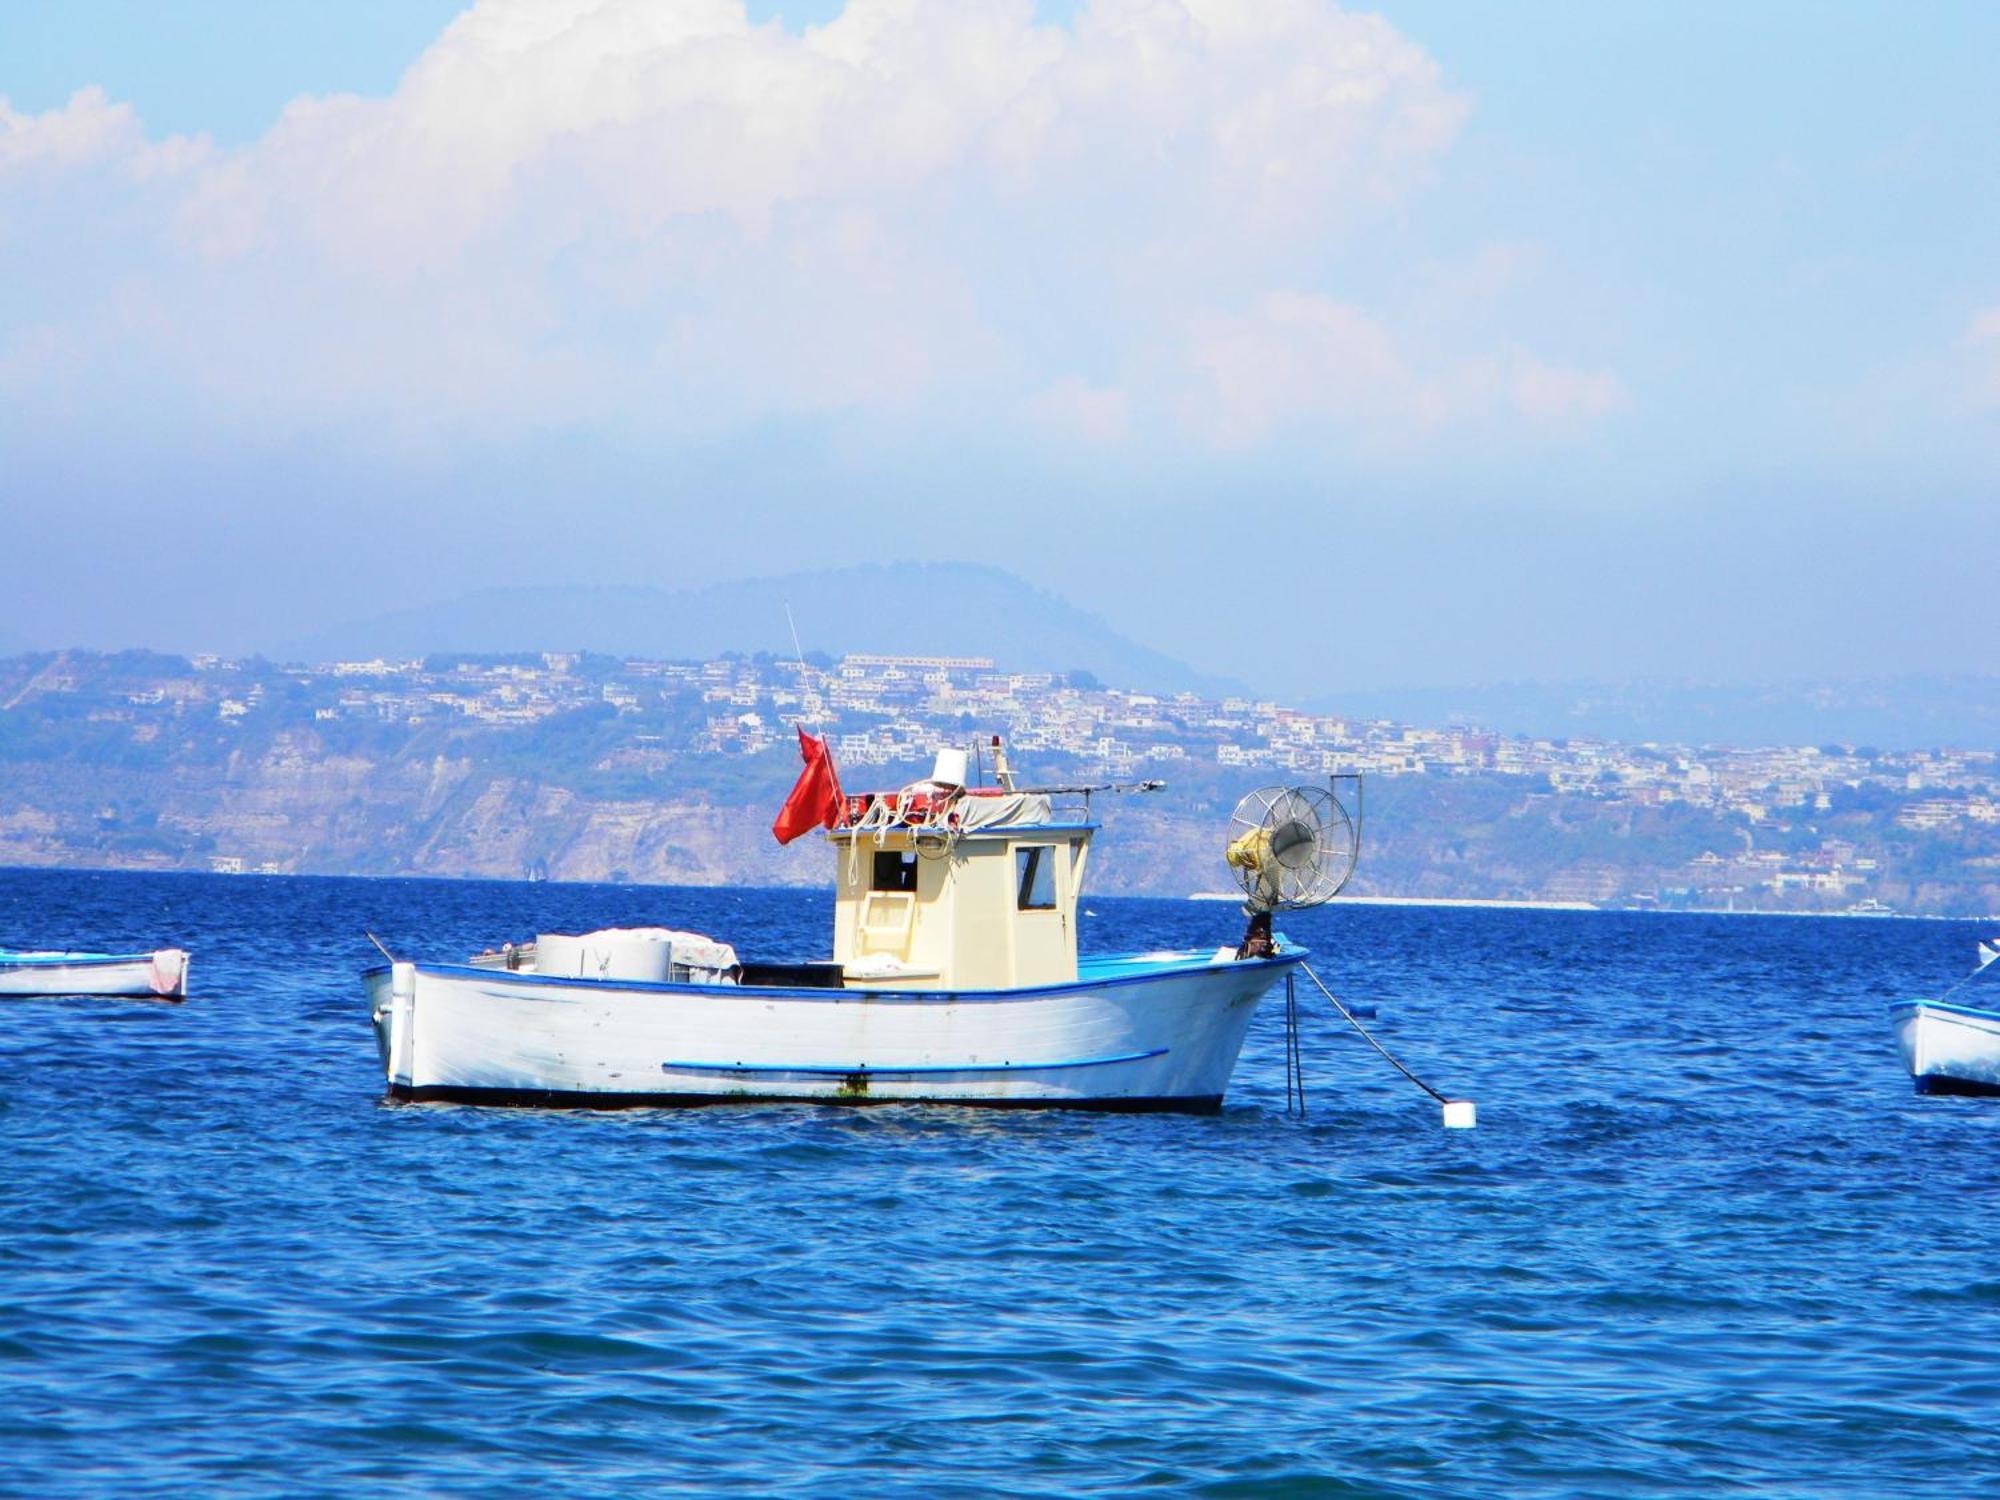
(1828, 827)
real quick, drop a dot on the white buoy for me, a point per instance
(1459, 1114)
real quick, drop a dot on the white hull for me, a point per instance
(1949, 1049)
(148, 976)
(1161, 1032)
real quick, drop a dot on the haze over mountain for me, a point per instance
(1893, 713)
(1326, 346)
(903, 608)
(972, 609)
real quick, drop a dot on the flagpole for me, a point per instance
(799, 655)
(798, 651)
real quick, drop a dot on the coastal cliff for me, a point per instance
(573, 769)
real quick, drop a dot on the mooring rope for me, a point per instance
(1295, 1065)
(1349, 1015)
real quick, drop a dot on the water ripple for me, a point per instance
(1705, 1239)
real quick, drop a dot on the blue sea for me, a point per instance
(1705, 1239)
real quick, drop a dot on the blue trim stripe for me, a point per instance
(12, 960)
(1916, 1007)
(865, 1070)
(858, 993)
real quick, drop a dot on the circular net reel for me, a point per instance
(1291, 847)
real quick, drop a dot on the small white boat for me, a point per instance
(954, 978)
(1951, 1048)
(160, 975)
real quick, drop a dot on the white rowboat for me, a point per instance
(161, 975)
(1949, 1049)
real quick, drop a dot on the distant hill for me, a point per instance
(913, 609)
(1896, 713)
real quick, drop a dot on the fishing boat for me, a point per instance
(955, 974)
(160, 975)
(1950, 1047)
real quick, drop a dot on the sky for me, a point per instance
(1326, 348)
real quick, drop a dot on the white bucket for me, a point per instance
(950, 767)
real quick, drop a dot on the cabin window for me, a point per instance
(1035, 877)
(895, 870)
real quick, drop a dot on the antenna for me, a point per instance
(798, 651)
(799, 656)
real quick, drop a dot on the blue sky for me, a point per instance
(1432, 344)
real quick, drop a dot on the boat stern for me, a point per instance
(168, 973)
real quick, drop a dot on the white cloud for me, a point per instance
(86, 129)
(1298, 355)
(1299, 358)
(1094, 414)
(654, 215)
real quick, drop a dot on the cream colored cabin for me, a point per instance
(987, 907)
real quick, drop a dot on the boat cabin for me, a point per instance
(954, 888)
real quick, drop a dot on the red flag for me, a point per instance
(815, 799)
